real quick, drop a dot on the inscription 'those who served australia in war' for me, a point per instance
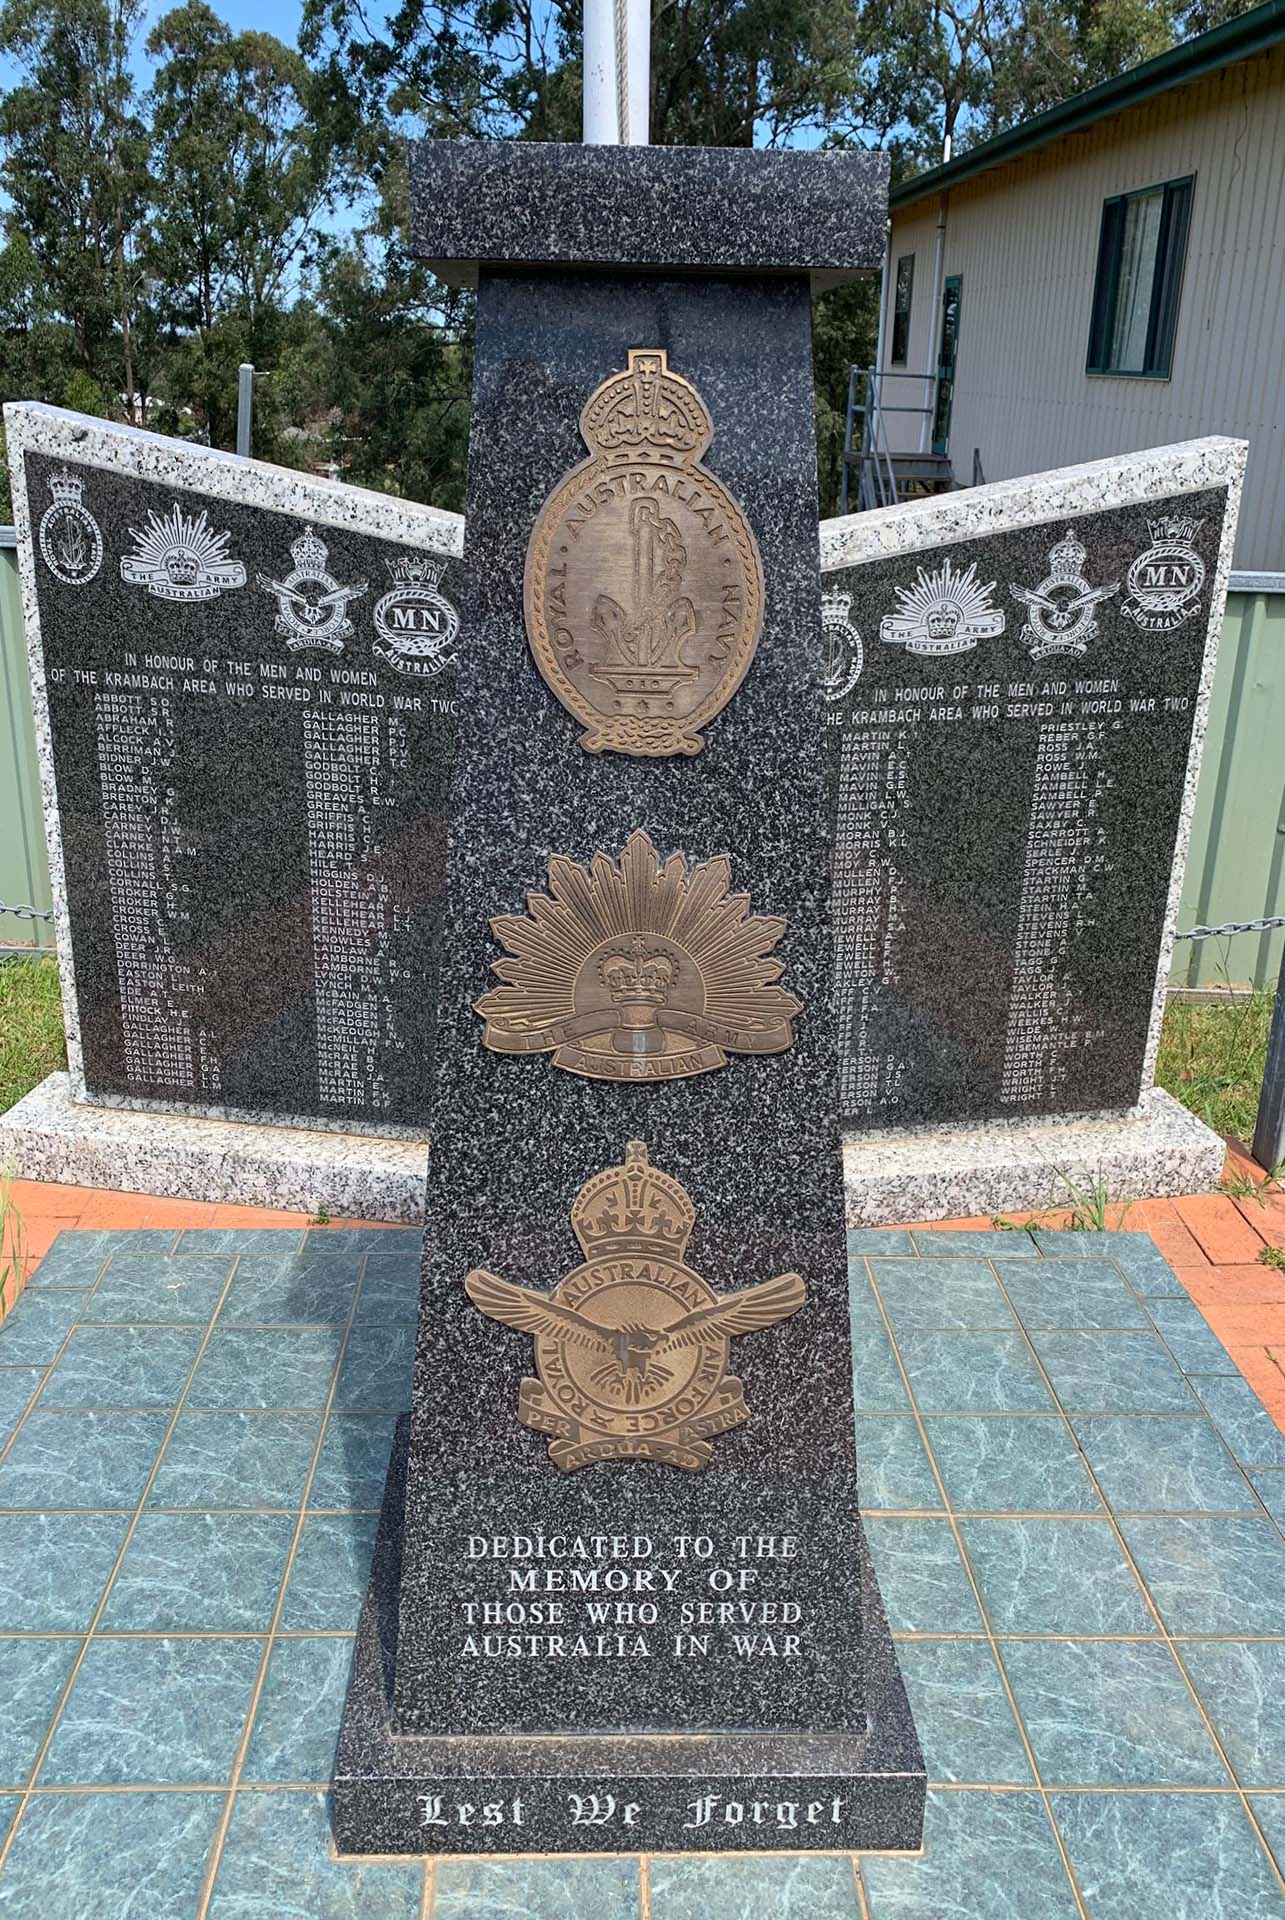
(644, 586)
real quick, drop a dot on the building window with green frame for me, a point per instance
(904, 289)
(1141, 252)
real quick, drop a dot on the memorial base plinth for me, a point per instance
(1025, 1165)
(50, 1136)
(571, 1791)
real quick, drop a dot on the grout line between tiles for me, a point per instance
(1154, 1609)
(863, 1905)
(977, 1597)
(105, 1595)
(243, 1745)
(644, 1887)
(428, 1891)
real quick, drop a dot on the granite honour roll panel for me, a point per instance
(246, 686)
(1012, 722)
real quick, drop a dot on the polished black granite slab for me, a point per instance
(739, 209)
(658, 1634)
(709, 1791)
(250, 759)
(1009, 720)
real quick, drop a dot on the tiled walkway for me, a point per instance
(1074, 1501)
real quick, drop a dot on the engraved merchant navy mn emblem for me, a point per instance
(638, 972)
(1164, 582)
(631, 1348)
(644, 587)
(415, 622)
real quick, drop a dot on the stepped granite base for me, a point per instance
(1020, 1166)
(616, 1793)
(50, 1136)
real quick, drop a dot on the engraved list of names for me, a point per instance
(1007, 770)
(251, 747)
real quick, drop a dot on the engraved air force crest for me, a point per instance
(638, 972)
(644, 586)
(632, 1347)
(1061, 611)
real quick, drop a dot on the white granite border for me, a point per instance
(128, 451)
(51, 1136)
(1157, 1151)
(1042, 499)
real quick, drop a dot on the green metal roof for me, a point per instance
(1235, 40)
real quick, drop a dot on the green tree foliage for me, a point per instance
(247, 200)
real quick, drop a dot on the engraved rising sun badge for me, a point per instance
(632, 1347)
(638, 971)
(644, 586)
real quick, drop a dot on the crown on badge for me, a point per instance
(1066, 559)
(310, 554)
(66, 486)
(1174, 526)
(416, 569)
(649, 407)
(835, 605)
(634, 1209)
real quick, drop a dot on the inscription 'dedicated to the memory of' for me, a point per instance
(689, 1596)
(252, 723)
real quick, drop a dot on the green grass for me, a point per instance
(31, 1037)
(1212, 1055)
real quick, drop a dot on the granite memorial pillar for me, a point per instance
(621, 1598)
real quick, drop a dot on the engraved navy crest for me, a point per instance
(70, 543)
(842, 655)
(416, 625)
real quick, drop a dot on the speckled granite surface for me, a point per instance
(774, 1511)
(949, 1173)
(528, 204)
(1018, 680)
(49, 1135)
(243, 798)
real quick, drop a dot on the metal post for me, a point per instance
(617, 72)
(1269, 1132)
(244, 408)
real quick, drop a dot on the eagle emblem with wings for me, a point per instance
(631, 1348)
(1060, 612)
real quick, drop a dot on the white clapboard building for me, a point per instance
(1105, 277)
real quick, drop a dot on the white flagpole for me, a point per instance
(617, 72)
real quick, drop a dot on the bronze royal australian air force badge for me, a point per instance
(644, 587)
(632, 1347)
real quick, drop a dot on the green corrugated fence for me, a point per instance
(1235, 870)
(24, 870)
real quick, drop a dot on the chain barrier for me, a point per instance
(1267, 923)
(26, 912)
(621, 25)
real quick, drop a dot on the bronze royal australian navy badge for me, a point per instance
(644, 586)
(638, 971)
(631, 1348)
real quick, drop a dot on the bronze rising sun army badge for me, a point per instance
(632, 1347)
(644, 586)
(638, 972)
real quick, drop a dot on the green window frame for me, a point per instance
(1142, 250)
(903, 294)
